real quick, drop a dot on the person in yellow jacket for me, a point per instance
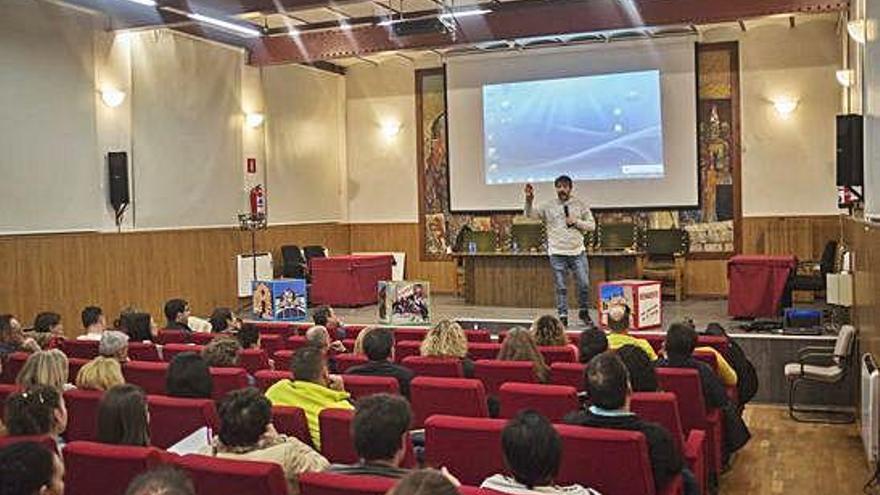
(618, 323)
(725, 371)
(313, 389)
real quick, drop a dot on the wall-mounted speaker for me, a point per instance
(118, 168)
(850, 168)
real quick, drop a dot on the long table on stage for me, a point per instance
(526, 279)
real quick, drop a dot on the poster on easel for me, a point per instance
(404, 302)
(280, 300)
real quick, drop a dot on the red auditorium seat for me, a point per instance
(557, 354)
(470, 448)
(218, 476)
(13, 365)
(202, 338)
(7, 389)
(707, 357)
(363, 385)
(148, 375)
(73, 367)
(341, 484)
(483, 350)
(349, 359)
(292, 422)
(348, 344)
(655, 339)
(82, 414)
(352, 331)
(685, 384)
(267, 378)
(283, 359)
(277, 327)
(173, 418)
(495, 373)
(337, 444)
(143, 351)
(716, 341)
(101, 468)
(410, 334)
(434, 366)
(253, 360)
(584, 449)
(295, 342)
(478, 336)
(271, 343)
(227, 379)
(456, 396)
(171, 350)
(172, 337)
(301, 328)
(571, 374)
(406, 348)
(662, 408)
(553, 401)
(83, 349)
(44, 440)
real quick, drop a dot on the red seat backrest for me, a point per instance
(82, 414)
(267, 378)
(337, 443)
(14, 363)
(685, 384)
(363, 385)
(478, 336)
(291, 421)
(227, 379)
(219, 476)
(553, 401)
(282, 328)
(93, 467)
(171, 350)
(202, 338)
(253, 360)
(707, 357)
(660, 408)
(73, 367)
(349, 359)
(283, 359)
(143, 351)
(271, 343)
(557, 354)
(454, 396)
(148, 375)
(352, 331)
(342, 484)
(483, 350)
(296, 342)
(410, 334)
(167, 336)
(571, 374)
(406, 348)
(434, 366)
(173, 418)
(655, 339)
(495, 373)
(468, 447)
(720, 343)
(44, 440)
(83, 349)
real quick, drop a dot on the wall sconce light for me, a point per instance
(254, 120)
(845, 77)
(391, 128)
(785, 106)
(112, 97)
(856, 30)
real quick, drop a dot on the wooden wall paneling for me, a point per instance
(705, 277)
(803, 236)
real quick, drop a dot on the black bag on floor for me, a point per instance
(747, 377)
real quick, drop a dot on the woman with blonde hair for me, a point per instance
(359, 340)
(549, 331)
(447, 340)
(100, 373)
(45, 368)
(519, 345)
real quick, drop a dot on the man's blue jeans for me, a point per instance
(580, 268)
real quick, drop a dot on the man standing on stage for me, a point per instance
(566, 219)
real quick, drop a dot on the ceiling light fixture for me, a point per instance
(254, 120)
(845, 77)
(237, 28)
(292, 31)
(146, 3)
(112, 97)
(856, 30)
(344, 25)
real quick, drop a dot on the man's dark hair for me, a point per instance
(532, 449)
(91, 315)
(122, 416)
(244, 415)
(378, 344)
(161, 481)
(562, 180)
(31, 411)
(378, 426)
(424, 482)
(173, 308)
(641, 371)
(321, 315)
(248, 335)
(220, 319)
(25, 467)
(593, 342)
(681, 339)
(188, 376)
(308, 363)
(45, 321)
(607, 379)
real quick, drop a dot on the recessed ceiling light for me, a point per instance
(238, 28)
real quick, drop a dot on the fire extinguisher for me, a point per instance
(258, 201)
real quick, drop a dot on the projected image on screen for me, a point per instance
(599, 127)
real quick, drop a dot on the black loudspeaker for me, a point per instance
(850, 168)
(118, 165)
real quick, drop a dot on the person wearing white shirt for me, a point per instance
(94, 323)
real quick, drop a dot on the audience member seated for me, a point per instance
(114, 345)
(141, 327)
(532, 453)
(48, 368)
(177, 314)
(319, 336)
(519, 345)
(379, 428)
(39, 410)
(100, 373)
(549, 331)
(447, 340)
(122, 323)
(161, 481)
(123, 418)
(224, 320)
(681, 340)
(378, 345)
(609, 391)
(28, 468)
(312, 390)
(222, 352)
(189, 377)
(641, 371)
(725, 371)
(248, 336)
(593, 342)
(426, 482)
(324, 316)
(93, 322)
(618, 323)
(359, 340)
(246, 432)
(48, 330)
(12, 338)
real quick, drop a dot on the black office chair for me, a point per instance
(810, 275)
(666, 250)
(314, 252)
(294, 262)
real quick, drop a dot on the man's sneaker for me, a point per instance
(564, 320)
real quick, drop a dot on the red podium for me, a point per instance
(348, 280)
(757, 284)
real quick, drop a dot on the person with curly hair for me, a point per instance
(447, 340)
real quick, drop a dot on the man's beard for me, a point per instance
(562, 196)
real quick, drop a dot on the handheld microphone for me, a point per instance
(565, 210)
